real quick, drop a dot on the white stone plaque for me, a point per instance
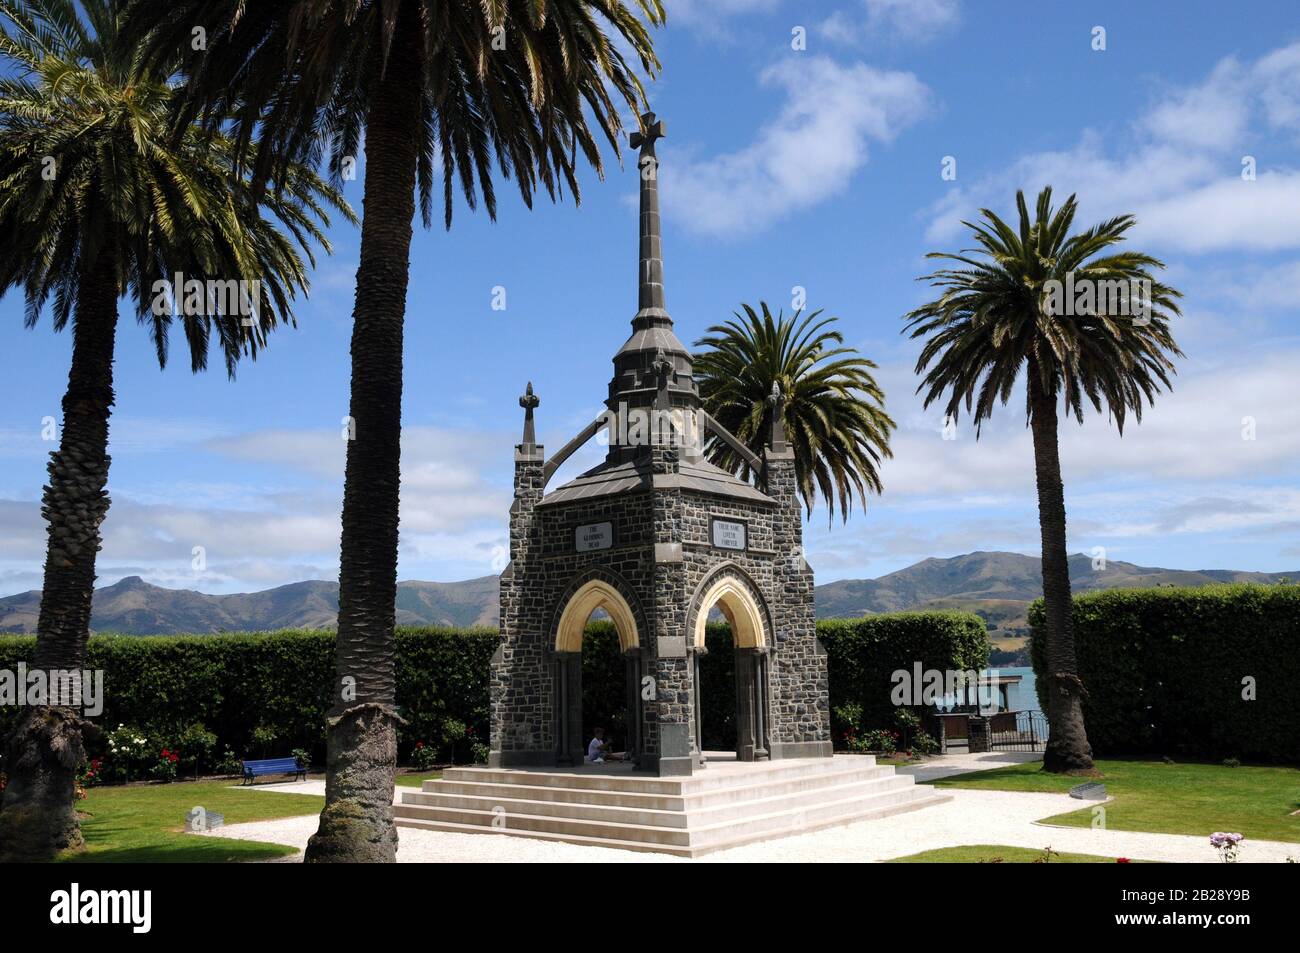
(593, 536)
(729, 534)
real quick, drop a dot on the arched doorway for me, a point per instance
(590, 597)
(740, 605)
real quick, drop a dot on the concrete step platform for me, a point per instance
(726, 805)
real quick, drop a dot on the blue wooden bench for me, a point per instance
(254, 769)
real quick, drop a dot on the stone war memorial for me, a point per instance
(658, 537)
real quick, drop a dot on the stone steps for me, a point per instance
(718, 774)
(719, 808)
(707, 798)
(518, 802)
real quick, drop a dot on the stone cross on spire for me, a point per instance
(777, 400)
(650, 292)
(528, 401)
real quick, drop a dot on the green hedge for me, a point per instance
(264, 694)
(235, 684)
(862, 655)
(1164, 668)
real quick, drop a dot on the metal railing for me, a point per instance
(1018, 731)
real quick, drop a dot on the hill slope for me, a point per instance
(136, 607)
(999, 586)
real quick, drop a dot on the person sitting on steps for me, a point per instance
(596, 749)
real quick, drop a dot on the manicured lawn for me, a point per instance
(144, 823)
(415, 780)
(1165, 798)
(986, 853)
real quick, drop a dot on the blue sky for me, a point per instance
(782, 168)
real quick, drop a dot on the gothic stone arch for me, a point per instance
(732, 591)
(578, 607)
(742, 603)
(592, 590)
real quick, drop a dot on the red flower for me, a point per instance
(1122, 860)
(419, 744)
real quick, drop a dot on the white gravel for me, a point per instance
(972, 817)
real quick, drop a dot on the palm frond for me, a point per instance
(834, 412)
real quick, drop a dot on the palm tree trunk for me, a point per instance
(361, 743)
(39, 816)
(1067, 744)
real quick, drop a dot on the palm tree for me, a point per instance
(99, 199)
(464, 84)
(834, 411)
(1003, 311)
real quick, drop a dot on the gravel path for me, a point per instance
(972, 817)
(947, 765)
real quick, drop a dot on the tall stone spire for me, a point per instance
(652, 370)
(650, 282)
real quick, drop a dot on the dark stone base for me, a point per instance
(676, 767)
(801, 749)
(521, 759)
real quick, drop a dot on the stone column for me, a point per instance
(798, 683)
(745, 708)
(674, 713)
(571, 747)
(761, 744)
(697, 653)
(751, 705)
(635, 707)
(521, 730)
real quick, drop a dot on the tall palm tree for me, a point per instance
(98, 199)
(1003, 310)
(835, 416)
(461, 83)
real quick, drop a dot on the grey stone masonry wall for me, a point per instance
(662, 562)
(670, 717)
(798, 679)
(520, 683)
(544, 573)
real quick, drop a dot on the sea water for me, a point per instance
(1022, 696)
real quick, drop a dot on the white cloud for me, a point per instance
(1184, 476)
(1256, 287)
(804, 156)
(1209, 116)
(1229, 214)
(263, 531)
(909, 20)
(127, 434)
(1278, 76)
(1179, 171)
(1191, 435)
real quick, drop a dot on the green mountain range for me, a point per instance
(998, 586)
(135, 607)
